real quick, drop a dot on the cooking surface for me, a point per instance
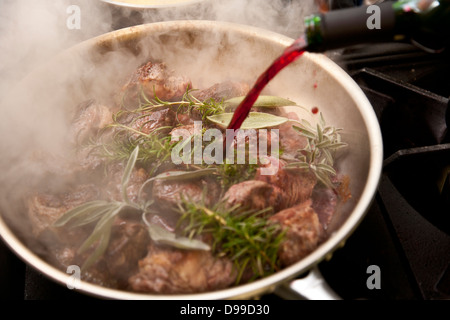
(406, 230)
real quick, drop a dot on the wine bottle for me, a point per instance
(426, 23)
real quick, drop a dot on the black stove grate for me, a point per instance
(407, 229)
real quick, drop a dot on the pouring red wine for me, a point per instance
(407, 20)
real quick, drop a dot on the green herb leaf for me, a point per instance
(79, 212)
(255, 120)
(261, 102)
(91, 216)
(127, 173)
(163, 236)
(101, 247)
(184, 175)
(102, 226)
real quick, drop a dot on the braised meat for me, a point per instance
(303, 232)
(254, 195)
(169, 194)
(129, 241)
(90, 117)
(168, 271)
(113, 190)
(223, 91)
(45, 208)
(149, 122)
(290, 140)
(295, 186)
(155, 79)
(324, 202)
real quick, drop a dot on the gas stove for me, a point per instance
(406, 232)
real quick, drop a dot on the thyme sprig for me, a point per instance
(318, 154)
(244, 236)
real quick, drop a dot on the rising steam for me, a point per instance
(33, 33)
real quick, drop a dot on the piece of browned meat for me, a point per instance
(113, 183)
(222, 91)
(173, 271)
(128, 244)
(296, 186)
(168, 195)
(156, 120)
(291, 142)
(155, 79)
(45, 208)
(89, 118)
(324, 202)
(304, 232)
(253, 195)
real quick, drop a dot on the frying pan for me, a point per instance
(226, 51)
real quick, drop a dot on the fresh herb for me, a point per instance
(163, 236)
(187, 105)
(245, 237)
(255, 120)
(104, 212)
(317, 156)
(231, 173)
(262, 101)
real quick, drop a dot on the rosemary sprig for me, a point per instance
(231, 173)
(245, 237)
(317, 156)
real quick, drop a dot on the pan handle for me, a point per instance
(311, 287)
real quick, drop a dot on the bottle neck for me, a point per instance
(424, 22)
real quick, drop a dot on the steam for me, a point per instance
(33, 33)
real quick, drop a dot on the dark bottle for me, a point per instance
(426, 23)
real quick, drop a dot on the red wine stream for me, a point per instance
(289, 55)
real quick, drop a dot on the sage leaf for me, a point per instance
(305, 132)
(127, 172)
(262, 102)
(297, 166)
(102, 226)
(80, 211)
(255, 120)
(163, 236)
(90, 217)
(101, 247)
(184, 175)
